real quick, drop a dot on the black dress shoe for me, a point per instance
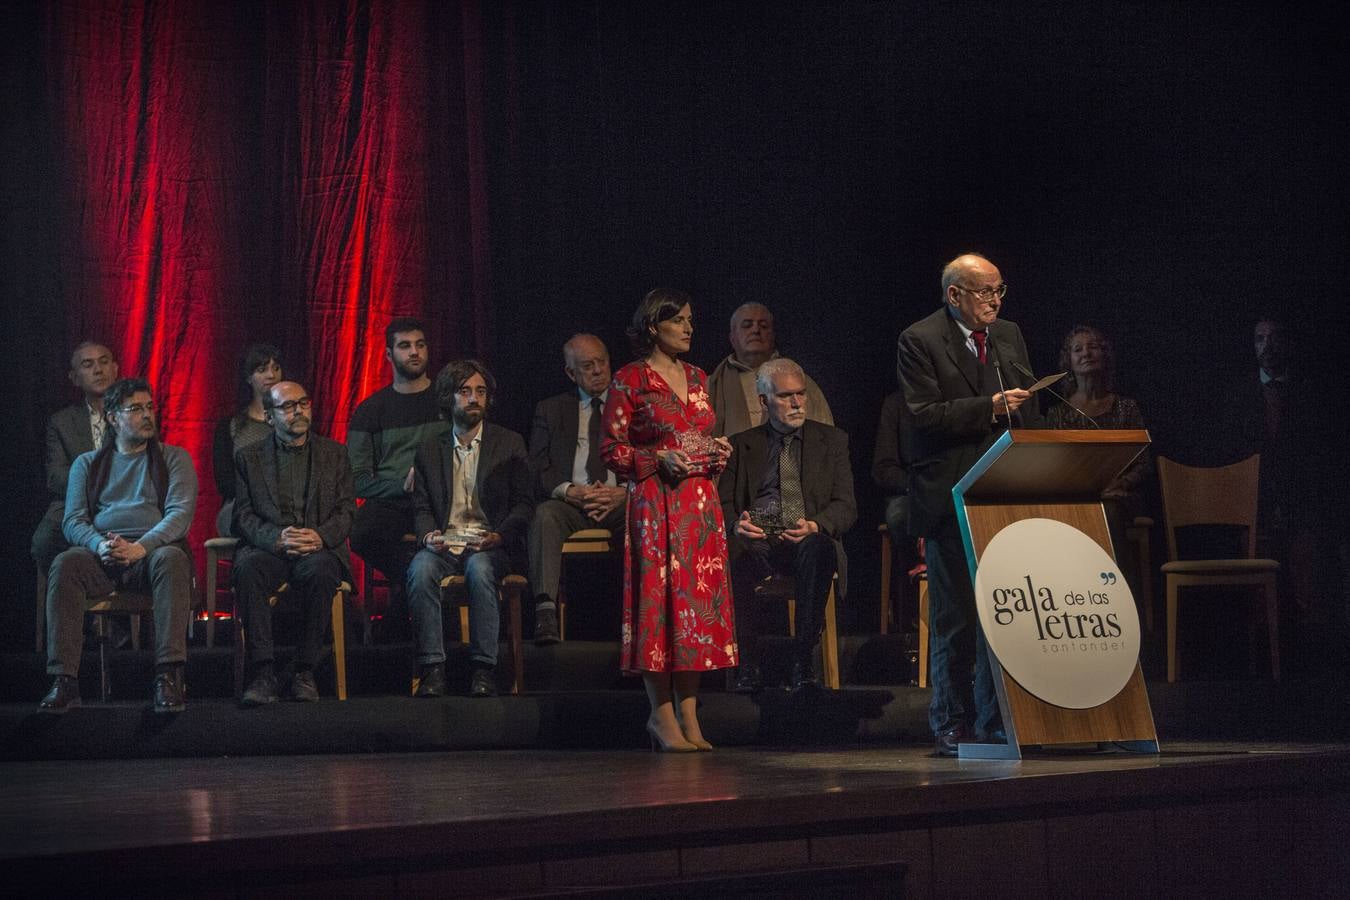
(432, 681)
(747, 680)
(168, 692)
(546, 627)
(997, 736)
(64, 695)
(262, 690)
(803, 676)
(946, 743)
(303, 687)
(482, 683)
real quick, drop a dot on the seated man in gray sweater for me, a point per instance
(128, 508)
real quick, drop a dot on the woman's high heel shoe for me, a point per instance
(659, 743)
(700, 743)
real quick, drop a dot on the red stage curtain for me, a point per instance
(292, 172)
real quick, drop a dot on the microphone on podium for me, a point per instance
(1027, 372)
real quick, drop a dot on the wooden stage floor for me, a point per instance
(1198, 817)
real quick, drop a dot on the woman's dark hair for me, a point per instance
(452, 377)
(1108, 355)
(256, 355)
(659, 305)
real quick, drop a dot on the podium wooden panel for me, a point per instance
(1056, 475)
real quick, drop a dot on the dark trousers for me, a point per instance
(958, 667)
(553, 522)
(377, 536)
(483, 571)
(48, 539)
(811, 563)
(77, 576)
(312, 580)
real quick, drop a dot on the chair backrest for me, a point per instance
(1222, 495)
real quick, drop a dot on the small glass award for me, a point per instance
(768, 518)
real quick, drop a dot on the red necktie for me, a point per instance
(979, 337)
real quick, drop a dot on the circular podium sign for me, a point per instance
(1057, 613)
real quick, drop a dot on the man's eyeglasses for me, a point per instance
(291, 406)
(986, 293)
(136, 409)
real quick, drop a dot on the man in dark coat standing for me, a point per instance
(949, 365)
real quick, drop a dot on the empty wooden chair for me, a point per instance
(1225, 495)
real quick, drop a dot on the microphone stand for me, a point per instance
(1003, 392)
(1027, 372)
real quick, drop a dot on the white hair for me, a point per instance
(770, 370)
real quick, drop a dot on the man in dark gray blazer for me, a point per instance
(471, 506)
(571, 482)
(76, 429)
(787, 497)
(949, 364)
(293, 509)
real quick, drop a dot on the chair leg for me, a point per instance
(562, 605)
(1273, 625)
(135, 632)
(340, 643)
(792, 616)
(104, 681)
(829, 657)
(923, 632)
(40, 630)
(464, 623)
(1171, 629)
(212, 560)
(885, 582)
(1145, 578)
(517, 658)
(240, 653)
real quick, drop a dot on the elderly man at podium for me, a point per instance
(958, 369)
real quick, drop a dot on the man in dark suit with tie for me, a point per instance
(787, 494)
(570, 479)
(949, 364)
(71, 431)
(293, 510)
(471, 503)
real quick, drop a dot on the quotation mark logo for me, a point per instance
(1108, 577)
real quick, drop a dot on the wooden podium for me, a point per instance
(1058, 475)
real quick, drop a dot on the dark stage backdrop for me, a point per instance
(182, 177)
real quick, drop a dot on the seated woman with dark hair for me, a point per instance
(259, 369)
(1089, 358)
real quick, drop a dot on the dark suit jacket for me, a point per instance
(946, 415)
(827, 483)
(330, 502)
(68, 436)
(553, 442)
(503, 483)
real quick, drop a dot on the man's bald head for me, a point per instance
(586, 361)
(974, 288)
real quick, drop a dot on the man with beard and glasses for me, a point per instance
(293, 511)
(472, 503)
(128, 508)
(385, 431)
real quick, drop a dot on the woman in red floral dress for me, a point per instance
(677, 617)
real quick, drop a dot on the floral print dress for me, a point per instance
(677, 613)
